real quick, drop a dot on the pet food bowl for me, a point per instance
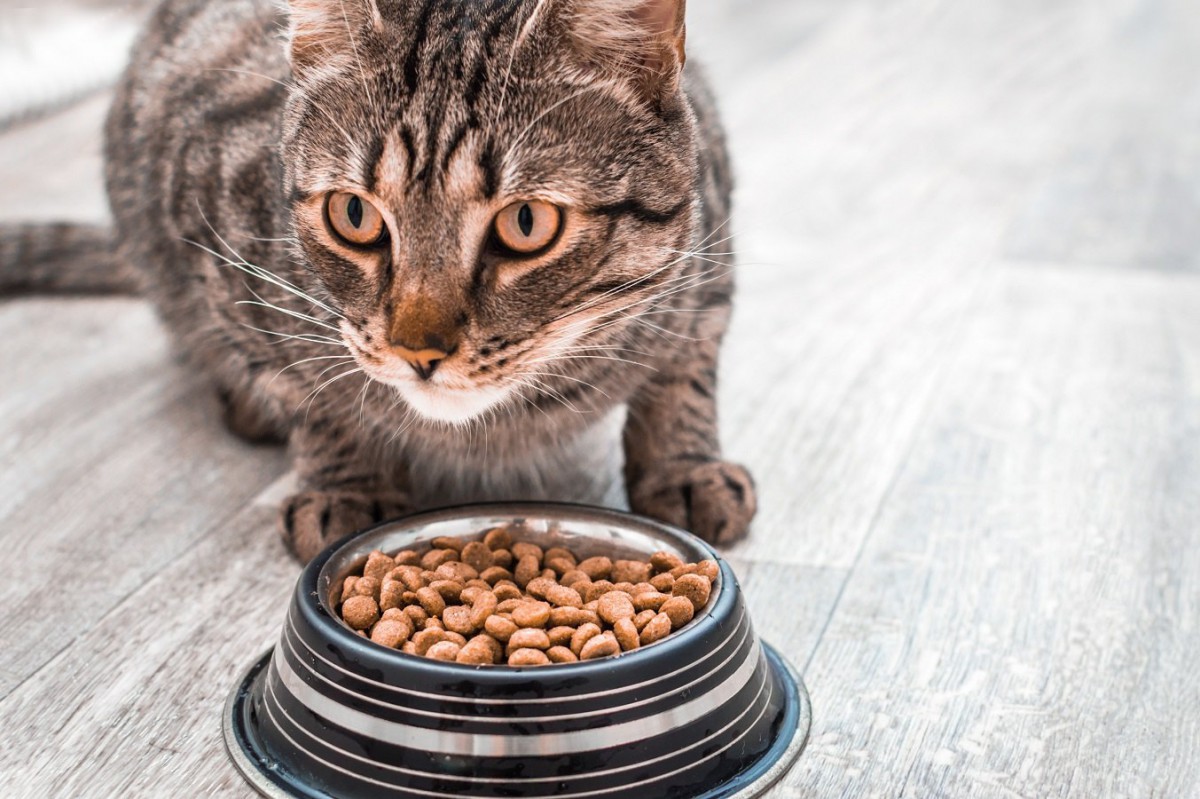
(710, 711)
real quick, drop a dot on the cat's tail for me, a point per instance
(62, 259)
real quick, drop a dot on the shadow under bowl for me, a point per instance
(710, 711)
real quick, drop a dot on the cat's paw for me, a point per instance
(312, 520)
(715, 500)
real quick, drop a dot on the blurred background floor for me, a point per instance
(965, 370)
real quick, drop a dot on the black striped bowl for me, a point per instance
(710, 711)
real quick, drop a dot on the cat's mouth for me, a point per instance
(444, 403)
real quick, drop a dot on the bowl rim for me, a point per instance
(323, 619)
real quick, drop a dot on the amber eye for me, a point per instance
(527, 227)
(354, 219)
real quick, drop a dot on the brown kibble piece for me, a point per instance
(503, 558)
(444, 650)
(434, 623)
(528, 657)
(378, 565)
(663, 583)
(554, 553)
(498, 538)
(509, 605)
(539, 586)
(431, 600)
(458, 619)
(410, 576)
(527, 570)
(626, 633)
(427, 638)
(360, 612)
(407, 557)
(522, 549)
(348, 588)
(687, 568)
(477, 555)
(561, 654)
(436, 557)
(408, 648)
(457, 570)
(532, 614)
(630, 571)
(615, 605)
(391, 596)
(417, 614)
(665, 561)
(584, 634)
(563, 597)
(600, 646)
(596, 590)
(485, 605)
(599, 568)
(500, 628)
(658, 628)
(395, 613)
(450, 590)
(471, 593)
(368, 586)
(528, 638)
(572, 617)
(680, 610)
(391, 632)
(574, 576)
(643, 618)
(560, 566)
(506, 591)
(447, 542)
(709, 569)
(650, 601)
(494, 574)
(561, 636)
(625, 588)
(457, 638)
(481, 650)
(695, 587)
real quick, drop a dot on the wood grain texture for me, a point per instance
(1022, 619)
(964, 368)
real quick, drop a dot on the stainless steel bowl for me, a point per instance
(709, 711)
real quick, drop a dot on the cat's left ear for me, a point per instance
(642, 40)
(324, 34)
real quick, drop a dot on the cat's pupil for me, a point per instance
(525, 219)
(354, 211)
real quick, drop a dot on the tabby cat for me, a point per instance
(442, 247)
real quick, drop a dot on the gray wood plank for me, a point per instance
(114, 458)
(1021, 620)
(133, 708)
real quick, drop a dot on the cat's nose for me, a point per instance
(423, 361)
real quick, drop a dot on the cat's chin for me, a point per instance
(449, 405)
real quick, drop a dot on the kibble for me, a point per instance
(499, 600)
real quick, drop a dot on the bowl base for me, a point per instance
(260, 770)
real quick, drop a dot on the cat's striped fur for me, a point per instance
(235, 121)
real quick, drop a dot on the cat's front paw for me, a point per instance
(311, 520)
(715, 500)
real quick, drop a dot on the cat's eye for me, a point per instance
(354, 219)
(527, 227)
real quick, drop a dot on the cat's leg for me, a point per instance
(250, 417)
(673, 465)
(342, 487)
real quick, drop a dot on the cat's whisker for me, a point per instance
(565, 377)
(310, 338)
(293, 314)
(362, 72)
(312, 398)
(540, 387)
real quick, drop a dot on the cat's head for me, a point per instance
(487, 188)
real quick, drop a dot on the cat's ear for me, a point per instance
(642, 40)
(324, 33)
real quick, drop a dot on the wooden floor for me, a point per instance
(965, 370)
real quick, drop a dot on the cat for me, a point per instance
(440, 247)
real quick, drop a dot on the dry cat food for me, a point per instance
(501, 601)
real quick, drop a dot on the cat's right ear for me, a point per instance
(325, 34)
(641, 41)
